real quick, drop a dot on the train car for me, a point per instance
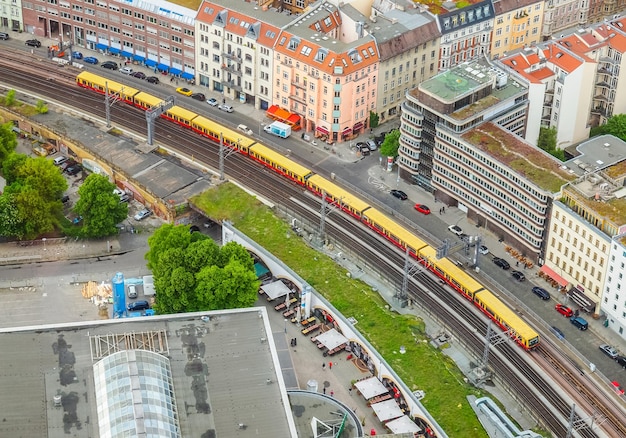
(100, 85)
(396, 233)
(180, 116)
(279, 163)
(146, 101)
(519, 331)
(337, 196)
(450, 272)
(212, 130)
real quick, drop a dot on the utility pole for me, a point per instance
(221, 165)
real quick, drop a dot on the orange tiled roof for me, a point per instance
(542, 73)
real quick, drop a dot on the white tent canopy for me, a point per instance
(275, 289)
(371, 387)
(387, 410)
(403, 425)
(331, 339)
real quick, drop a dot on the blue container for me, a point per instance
(119, 295)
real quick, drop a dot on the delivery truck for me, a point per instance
(279, 129)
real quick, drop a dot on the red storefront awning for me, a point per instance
(322, 130)
(294, 119)
(271, 110)
(553, 275)
(346, 131)
(278, 113)
(357, 126)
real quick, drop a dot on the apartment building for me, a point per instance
(614, 298)
(11, 15)
(156, 32)
(459, 99)
(590, 213)
(560, 84)
(235, 50)
(408, 43)
(326, 72)
(517, 24)
(465, 34)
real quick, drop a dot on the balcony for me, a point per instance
(299, 84)
(300, 99)
(232, 85)
(231, 69)
(232, 56)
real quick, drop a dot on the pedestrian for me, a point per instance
(517, 263)
(443, 209)
(324, 389)
(295, 342)
(332, 393)
(324, 365)
(330, 365)
(350, 391)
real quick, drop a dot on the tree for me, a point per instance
(390, 145)
(9, 99)
(36, 186)
(9, 217)
(100, 208)
(8, 141)
(374, 119)
(41, 107)
(547, 139)
(10, 165)
(192, 273)
(616, 126)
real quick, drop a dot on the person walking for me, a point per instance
(324, 389)
(332, 393)
(330, 365)
(324, 365)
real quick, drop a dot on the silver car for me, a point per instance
(142, 214)
(227, 108)
(609, 351)
(132, 291)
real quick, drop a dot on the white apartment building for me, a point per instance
(614, 295)
(11, 15)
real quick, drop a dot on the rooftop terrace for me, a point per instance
(532, 163)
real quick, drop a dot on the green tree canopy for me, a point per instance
(390, 146)
(36, 186)
(616, 126)
(10, 165)
(8, 141)
(100, 208)
(547, 139)
(192, 273)
(9, 217)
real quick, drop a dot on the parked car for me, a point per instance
(212, 101)
(518, 275)
(483, 250)
(69, 163)
(126, 70)
(110, 65)
(501, 263)
(91, 60)
(621, 361)
(132, 291)
(4, 36)
(245, 129)
(142, 214)
(541, 293)
(152, 80)
(609, 351)
(33, 43)
(580, 323)
(73, 170)
(363, 149)
(138, 75)
(558, 332)
(455, 229)
(372, 145)
(424, 209)
(399, 194)
(198, 96)
(184, 91)
(59, 160)
(564, 310)
(77, 55)
(124, 198)
(227, 108)
(138, 306)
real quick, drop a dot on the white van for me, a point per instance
(59, 160)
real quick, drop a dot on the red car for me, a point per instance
(564, 310)
(422, 208)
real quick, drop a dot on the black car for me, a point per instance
(198, 96)
(518, 275)
(73, 170)
(621, 361)
(138, 75)
(152, 79)
(33, 43)
(399, 194)
(501, 263)
(109, 65)
(541, 293)
(138, 306)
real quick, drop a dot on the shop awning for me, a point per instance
(139, 58)
(322, 130)
(553, 275)
(175, 71)
(278, 113)
(357, 126)
(114, 50)
(581, 299)
(346, 131)
(126, 54)
(294, 119)
(186, 75)
(163, 67)
(150, 63)
(101, 46)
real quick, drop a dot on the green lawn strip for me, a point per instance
(421, 367)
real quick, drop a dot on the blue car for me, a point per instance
(77, 55)
(91, 60)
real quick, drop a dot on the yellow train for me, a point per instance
(443, 268)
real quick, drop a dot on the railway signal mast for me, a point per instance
(410, 269)
(154, 113)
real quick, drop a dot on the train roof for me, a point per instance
(217, 128)
(506, 314)
(280, 160)
(181, 113)
(468, 282)
(394, 229)
(151, 100)
(126, 91)
(338, 193)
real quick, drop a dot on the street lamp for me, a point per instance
(261, 124)
(285, 325)
(44, 243)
